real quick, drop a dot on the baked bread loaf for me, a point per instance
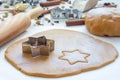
(103, 21)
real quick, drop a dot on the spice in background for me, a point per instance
(5, 15)
(6, 6)
(38, 22)
(109, 4)
(11, 2)
(21, 6)
(52, 24)
(0, 2)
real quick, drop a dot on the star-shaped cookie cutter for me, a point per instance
(38, 46)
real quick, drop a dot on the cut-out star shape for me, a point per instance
(74, 56)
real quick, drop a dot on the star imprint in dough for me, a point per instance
(74, 56)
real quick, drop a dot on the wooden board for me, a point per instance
(74, 53)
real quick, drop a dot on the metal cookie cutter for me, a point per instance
(38, 46)
(59, 13)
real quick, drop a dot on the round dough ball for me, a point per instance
(103, 21)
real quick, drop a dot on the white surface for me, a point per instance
(109, 72)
